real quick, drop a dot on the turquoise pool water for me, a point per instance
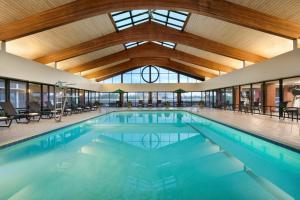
(148, 155)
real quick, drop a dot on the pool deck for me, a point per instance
(282, 131)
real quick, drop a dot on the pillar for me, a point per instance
(295, 44)
(55, 65)
(3, 46)
(244, 63)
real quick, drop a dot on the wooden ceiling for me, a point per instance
(217, 38)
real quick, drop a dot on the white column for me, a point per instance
(219, 73)
(55, 65)
(295, 44)
(3, 46)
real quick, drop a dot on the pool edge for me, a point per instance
(252, 133)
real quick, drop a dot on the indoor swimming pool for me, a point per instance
(140, 155)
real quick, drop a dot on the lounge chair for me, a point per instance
(76, 109)
(7, 121)
(11, 112)
(35, 107)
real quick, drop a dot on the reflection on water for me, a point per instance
(148, 155)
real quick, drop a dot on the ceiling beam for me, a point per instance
(151, 50)
(82, 9)
(139, 62)
(150, 31)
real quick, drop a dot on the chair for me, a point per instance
(11, 112)
(7, 121)
(256, 107)
(149, 104)
(159, 103)
(141, 103)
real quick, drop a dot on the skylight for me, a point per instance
(127, 19)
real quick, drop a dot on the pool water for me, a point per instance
(148, 155)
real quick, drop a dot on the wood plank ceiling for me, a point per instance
(219, 29)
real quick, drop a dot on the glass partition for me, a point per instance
(18, 94)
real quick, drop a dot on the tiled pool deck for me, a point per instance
(282, 131)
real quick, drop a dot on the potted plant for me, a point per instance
(201, 104)
(167, 104)
(129, 104)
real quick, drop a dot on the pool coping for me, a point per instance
(249, 132)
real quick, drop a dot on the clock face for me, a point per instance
(150, 74)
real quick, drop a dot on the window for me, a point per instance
(229, 96)
(86, 97)
(81, 97)
(152, 74)
(236, 97)
(127, 19)
(196, 98)
(18, 94)
(245, 95)
(291, 92)
(51, 95)
(272, 96)
(113, 98)
(2, 90)
(104, 99)
(45, 96)
(186, 98)
(257, 96)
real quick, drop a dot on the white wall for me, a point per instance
(12, 66)
(285, 65)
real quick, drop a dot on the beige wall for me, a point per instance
(12, 66)
(285, 65)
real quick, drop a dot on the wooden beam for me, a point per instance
(150, 32)
(139, 62)
(150, 50)
(82, 9)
